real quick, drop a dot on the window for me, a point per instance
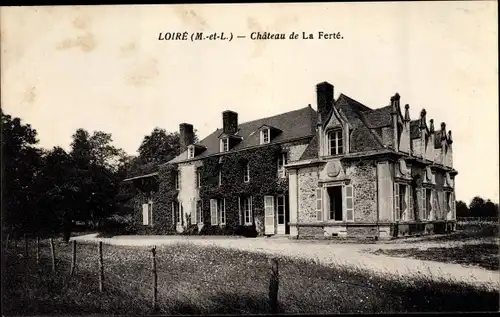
(177, 180)
(199, 211)
(247, 209)
(224, 145)
(220, 177)
(198, 178)
(264, 136)
(280, 208)
(399, 201)
(190, 152)
(177, 212)
(246, 177)
(282, 161)
(335, 142)
(423, 203)
(221, 203)
(147, 213)
(218, 211)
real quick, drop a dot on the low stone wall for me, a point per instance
(374, 230)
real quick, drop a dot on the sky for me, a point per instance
(103, 68)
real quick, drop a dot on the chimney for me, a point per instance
(407, 112)
(229, 122)
(395, 102)
(186, 135)
(443, 130)
(324, 99)
(422, 119)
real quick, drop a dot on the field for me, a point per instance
(474, 243)
(209, 280)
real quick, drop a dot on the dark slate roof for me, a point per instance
(366, 123)
(415, 129)
(311, 150)
(293, 125)
(380, 117)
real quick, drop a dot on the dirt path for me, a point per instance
(326, 253)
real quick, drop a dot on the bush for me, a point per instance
(117, 225)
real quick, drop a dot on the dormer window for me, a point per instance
(190, 152)
(265, 136)
(335, 142)
(224, 145)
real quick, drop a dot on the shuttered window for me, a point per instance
(349, 202)
(410, 215)
(319, 204)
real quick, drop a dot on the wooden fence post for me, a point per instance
(155, 277)
(37, 250)
(73, 259)
(101, 268)
(52, 254)
(273, 286)
(25, 246)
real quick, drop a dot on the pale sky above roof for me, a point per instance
(103, 68)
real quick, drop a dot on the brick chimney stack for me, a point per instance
(186, 135)
(229, 122)
(324, 99)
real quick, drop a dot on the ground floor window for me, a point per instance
(450, 206)
(337, 202)
(401, 201)
(247, 211)
(147, 213)
(218, 211)
(199, 211)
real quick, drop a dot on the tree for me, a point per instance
(160, 146)
(97, 164)
(21, 161)
(462, 209)
(476, 206)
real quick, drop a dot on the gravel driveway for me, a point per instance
(325, 252)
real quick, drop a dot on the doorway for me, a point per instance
(335, 211)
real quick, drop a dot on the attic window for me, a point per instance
(335, 142)
(264, 136)
(190, 152)
(224, 145)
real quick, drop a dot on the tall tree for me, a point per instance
(20, 163)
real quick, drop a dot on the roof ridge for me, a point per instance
(359, 103)
(276, 115)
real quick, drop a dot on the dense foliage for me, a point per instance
(46, 191)
(263, 181)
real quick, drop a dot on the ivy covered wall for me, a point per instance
(263, 181)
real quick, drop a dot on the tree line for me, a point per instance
(45, 191)
(478, 207)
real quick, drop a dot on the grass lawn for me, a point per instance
(201, 280)
(483, 253)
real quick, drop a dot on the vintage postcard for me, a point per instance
(280, 158)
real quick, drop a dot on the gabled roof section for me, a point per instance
(379, 118)
(294, 125)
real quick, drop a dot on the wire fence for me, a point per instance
(153, 277)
